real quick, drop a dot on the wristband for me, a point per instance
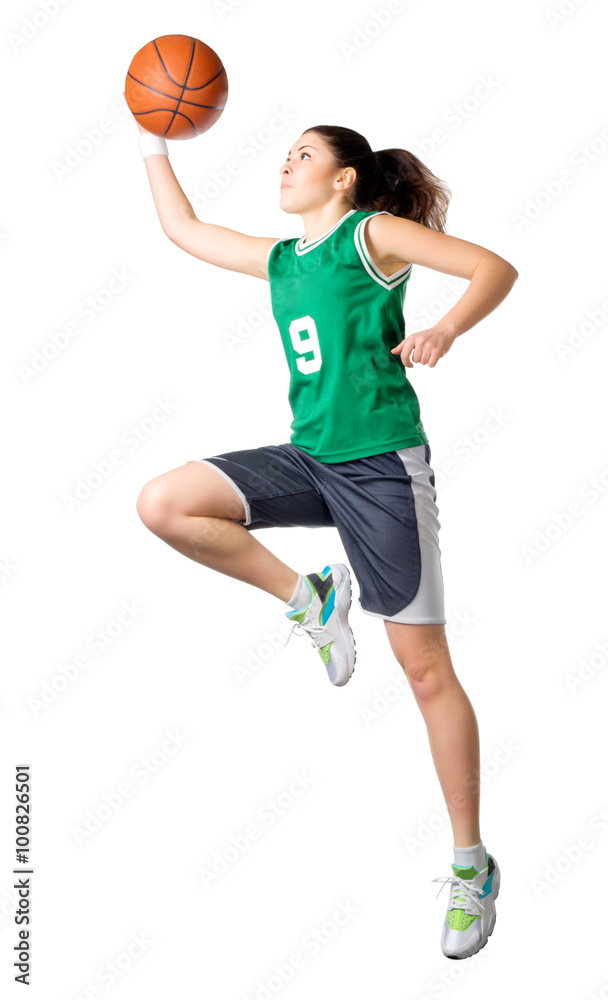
(150, 144)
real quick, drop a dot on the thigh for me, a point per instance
(276, 488)
(419, 647)
(194, 489)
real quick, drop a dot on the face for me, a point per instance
(309, 177)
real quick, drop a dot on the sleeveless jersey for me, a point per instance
(338, 316)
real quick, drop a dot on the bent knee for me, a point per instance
(156, 506)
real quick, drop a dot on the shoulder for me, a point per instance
(379, 233)
(382, 224)
(275, 247)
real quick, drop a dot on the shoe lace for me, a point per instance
(313, 631)
(463, 894)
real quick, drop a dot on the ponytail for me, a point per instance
(389, 180)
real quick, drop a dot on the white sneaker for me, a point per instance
(325, 620)
(471, 911)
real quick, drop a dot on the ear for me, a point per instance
(347, 178)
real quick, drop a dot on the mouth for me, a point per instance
(285, 186)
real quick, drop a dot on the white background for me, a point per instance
(518, 95)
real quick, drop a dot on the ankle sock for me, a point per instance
(302, 595)
(476, 856)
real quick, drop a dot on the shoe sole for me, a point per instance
(347, 632)
(497, 881)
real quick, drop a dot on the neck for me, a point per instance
(318, 220)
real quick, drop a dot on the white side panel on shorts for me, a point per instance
(236, 488)
(427, 607)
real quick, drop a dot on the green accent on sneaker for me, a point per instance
(299, 616)
(325, 652)
(467, 873)
(458, 919)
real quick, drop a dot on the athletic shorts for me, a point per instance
(383, 507)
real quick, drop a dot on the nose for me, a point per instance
(285, 169)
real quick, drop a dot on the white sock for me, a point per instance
(302, 595)
(476, 856)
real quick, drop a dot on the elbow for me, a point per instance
(177, 231)
(500, 265)
(169, 233)
(509, 269)
(510, 272)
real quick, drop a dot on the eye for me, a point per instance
(303, 153)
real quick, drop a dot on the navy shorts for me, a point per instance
(383, 507)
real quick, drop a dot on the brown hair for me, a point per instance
(390, 180)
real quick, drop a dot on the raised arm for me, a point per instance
(213, 244)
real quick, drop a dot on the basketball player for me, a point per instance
(359, 457)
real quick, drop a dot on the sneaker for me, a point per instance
(325, 621)
(471, 911)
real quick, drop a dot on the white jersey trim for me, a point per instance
(370, 265)
(302, 247)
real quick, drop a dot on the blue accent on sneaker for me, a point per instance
(488, 885)
(329, 607)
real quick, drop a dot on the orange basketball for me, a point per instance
(176, 86)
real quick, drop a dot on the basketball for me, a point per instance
(176, 86)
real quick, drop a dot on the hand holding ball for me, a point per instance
(176, 87)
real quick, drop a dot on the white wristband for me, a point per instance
(150, 144)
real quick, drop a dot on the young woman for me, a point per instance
(359, 458)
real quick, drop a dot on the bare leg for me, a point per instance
(422, 651)
(196, 511)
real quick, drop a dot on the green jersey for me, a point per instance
(339, 316)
